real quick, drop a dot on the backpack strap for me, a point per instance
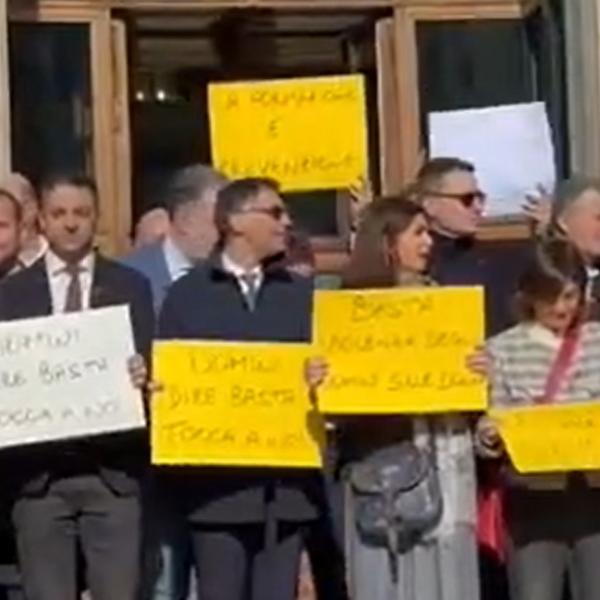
(561, 365)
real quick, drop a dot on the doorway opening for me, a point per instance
(173, 57)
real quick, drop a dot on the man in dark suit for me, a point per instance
(246, 523)
(190, 200)
(82, 492)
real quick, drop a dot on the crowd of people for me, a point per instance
(222, 261)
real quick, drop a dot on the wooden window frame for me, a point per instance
(111, 142)
(406, 18)
(109, 121)
(4, 92)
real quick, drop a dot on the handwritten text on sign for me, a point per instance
(66, 376)
(234, 404)
(552, 438)
(307, 134)
(400, 351)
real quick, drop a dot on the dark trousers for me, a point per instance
(324, 542)
(554, 534)
(233, 563)
(79, 511)
(167, 553)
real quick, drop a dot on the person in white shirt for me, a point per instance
(190, 199)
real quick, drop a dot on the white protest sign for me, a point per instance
(510, 146)
(66, 376)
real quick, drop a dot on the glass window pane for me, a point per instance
(470, 64)
(314, 212)
(50, 98)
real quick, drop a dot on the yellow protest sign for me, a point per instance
(541, 439)
(400, 351)
(234, 404)
(308, 134)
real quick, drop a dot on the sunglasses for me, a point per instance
(467, 199)
(275, 212)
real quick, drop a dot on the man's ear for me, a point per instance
(428, 204)
(233, 223)
(560, 225)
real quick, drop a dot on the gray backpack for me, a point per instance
(397, 497)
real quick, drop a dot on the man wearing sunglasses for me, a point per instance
(455, 203)
(246, 524)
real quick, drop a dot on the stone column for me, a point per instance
(582, 33)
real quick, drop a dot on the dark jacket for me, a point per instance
(494, 265)
(207, 304)
(119, 457)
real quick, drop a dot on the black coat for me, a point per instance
(120, 458)
(207, 304)
(494, 265)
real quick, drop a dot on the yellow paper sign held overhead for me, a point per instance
(554, 438)
(234, 404)
(308, 134)
(400, 351)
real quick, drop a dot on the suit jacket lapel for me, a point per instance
(100, 294)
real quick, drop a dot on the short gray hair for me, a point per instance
(190, 184)
(568, 191)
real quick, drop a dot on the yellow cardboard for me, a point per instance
(234, 404)
(400, 351)
(308, 134)
(552, 438)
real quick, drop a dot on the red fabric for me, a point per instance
(561, 365)
(491, 530)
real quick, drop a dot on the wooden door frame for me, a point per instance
(5, 137)
(114, 208)
(111, 121)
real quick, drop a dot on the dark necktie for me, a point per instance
(251, 291)
(73, 300)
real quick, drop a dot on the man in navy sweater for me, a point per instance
(246, 523)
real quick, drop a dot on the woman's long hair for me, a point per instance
(371, 264)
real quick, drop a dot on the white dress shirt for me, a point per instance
(592, 273)
(178, 264)
(59, 280)
(240, 272)
(29, 257)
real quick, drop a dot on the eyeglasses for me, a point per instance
(275, 212)
(467, 199)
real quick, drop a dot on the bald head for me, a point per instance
(152, 227)
(20, 187)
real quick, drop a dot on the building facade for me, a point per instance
(116, 87)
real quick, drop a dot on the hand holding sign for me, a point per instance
(307, 134)
(68, 376)
(541, 439)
